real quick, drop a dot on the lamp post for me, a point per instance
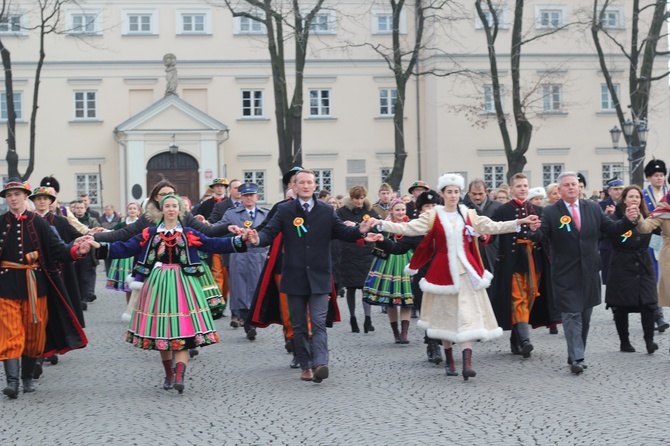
(628, 128)
(174, 148)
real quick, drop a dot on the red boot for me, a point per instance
(179, 372)
(168, 383)
(467, 366)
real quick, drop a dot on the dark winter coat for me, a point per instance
(355, 260)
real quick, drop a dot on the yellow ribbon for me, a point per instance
(31, 279)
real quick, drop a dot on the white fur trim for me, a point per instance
(437, 289)
(409, 271)
(423, 325)
(125, 317)
(135, 285)
(465, 336)
(450, 179)
(129, 279)
(537, 192)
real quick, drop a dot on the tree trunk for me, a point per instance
(12, 157)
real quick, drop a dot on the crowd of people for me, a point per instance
(468, 262)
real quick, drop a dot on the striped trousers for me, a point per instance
(19, 336)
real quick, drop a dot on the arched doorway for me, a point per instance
(180, 169)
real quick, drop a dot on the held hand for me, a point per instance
(609, 209)
(235, 230)
(93, 244)
(366, 225)
(83, 249)
(632, 213)
(528, 220)
(372, 237)
(252, 236)
(535, 225)
(349, 223)
(96, 230)
(200, 218)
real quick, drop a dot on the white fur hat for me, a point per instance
(537, 192)
(450, 179)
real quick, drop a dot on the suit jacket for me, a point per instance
(490, 250)
(306, 266)
(220, 208)
(575, 262)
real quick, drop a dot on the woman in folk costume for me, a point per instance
(456, 307)
(172, 315)
(120, 269)
(387, 284)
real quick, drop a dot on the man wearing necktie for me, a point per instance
(219, 187)
(572, 227)
(245, 268)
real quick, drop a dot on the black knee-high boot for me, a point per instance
(12, 374)
(27, 370)
(621, 323)
(647, 319)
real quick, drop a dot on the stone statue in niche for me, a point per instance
(171, 77)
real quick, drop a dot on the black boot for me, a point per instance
(27, 371)
(621, 323)
(523, 336)
(367, 325)
(647, 319)
(38, 368)
(514, 343)
(403, 333)
(354, 325)
(437, 352)
(12, 374)
(396, 333)
(168, 382)
(450, 365)
(179, 372)
(661, 325)
(467, 365)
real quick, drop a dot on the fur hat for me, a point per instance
(50, 181)
(15, 183)
(654, 166)
(450, 179)
(537, 192)
(428, 197)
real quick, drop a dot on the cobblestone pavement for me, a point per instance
(379, 393)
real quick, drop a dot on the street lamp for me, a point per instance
(628, 128)
(174, 148)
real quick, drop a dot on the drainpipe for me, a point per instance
(123, 168)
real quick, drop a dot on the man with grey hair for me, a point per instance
(572, 226)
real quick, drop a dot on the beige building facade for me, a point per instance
(106, 125)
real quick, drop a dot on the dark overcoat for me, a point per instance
(306, 266)
(355, 260)
(575, 262)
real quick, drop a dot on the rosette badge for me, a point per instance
(626, 235)
(565, 221)
(299, 224)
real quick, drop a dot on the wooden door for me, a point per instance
(180, 169)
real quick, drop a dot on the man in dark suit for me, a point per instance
(308, 225)
(478, 199)
(573, 226)
(233, 201)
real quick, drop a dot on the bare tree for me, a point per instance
(49, 15)
(280, 26)
(489, 17)
(640, 57)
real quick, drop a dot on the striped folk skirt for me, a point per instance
(171, 313)
(119, 270)
(387, 284)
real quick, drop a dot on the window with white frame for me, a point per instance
(387, 98)
(501, 13)
(18, 106)
(384, 173)
(611, 170)
(550, 173)
(246, 25)
(319, 102)
(140, 22)
(324, 22)
(552, 98)
(252, 103)
(88, 183)
(84, 22)
(323, 179)
(606, 99)
(11, 24)
(612, 17)
(258, 177)
(85, 104)
(494, 175)
(194, 22)
(489, 98)
(382, 22)
(550, 17)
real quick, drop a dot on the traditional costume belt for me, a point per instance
(31, 279)
(532, 273)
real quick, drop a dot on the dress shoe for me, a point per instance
(320, 373)
(577, 367)
(193, 352)
(38, 368)
(307, 375)
(553, 329)
(295, 364)
(626, 347)
(234, 322)
(53, 359)
(251, 334)
(367, 325)
(661, 325)
(584, 366)
(651, 347)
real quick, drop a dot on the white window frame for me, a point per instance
(503, 17)
(85, 187)
(330, 22)
(126, 18)
(85, 102)
(611, 170)
(18, 106)
(495, 176)
(240, 23)
(323, 179)
(180, 14)
(488, 100)
(253, 96)
(258, 177)
(618, 13)
(384, 173)
(387, 99)
(96, 23)
(550, 102)
(550, 173)
(606, 99)
(12, 19)
(544, 9)
(317, 103)
(377, 13)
